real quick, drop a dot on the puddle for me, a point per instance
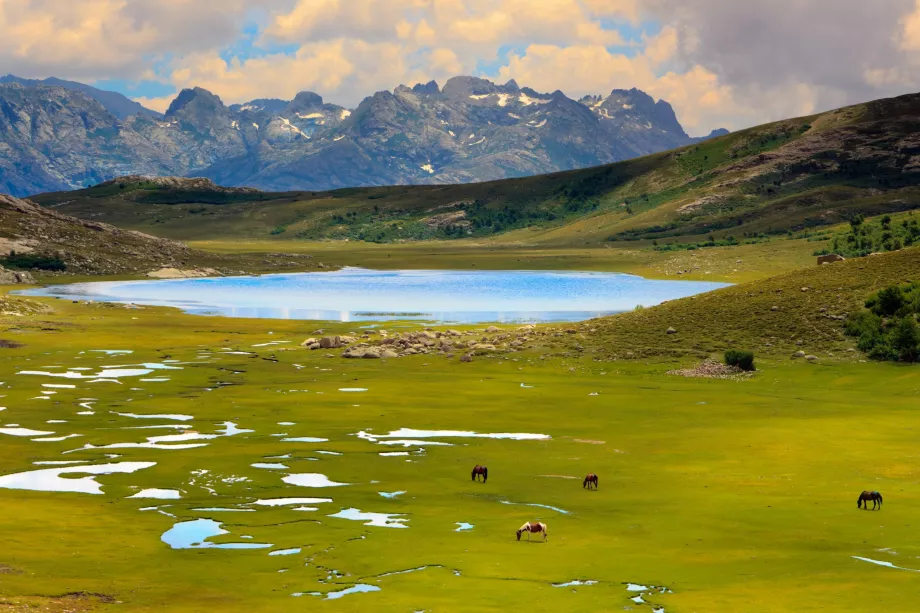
(526, 387)
(168, 441)
(118, 373)
(420, 434)
(353, 390)
(50, 479)
(59, 387)
(23, 432)
(633, 587)
(328, 452)
(283, 502)
(56, 439)
(171, 417)
(885, 564)
(231, 429)
(286, 552)
(380, 520)
(638, 599)
(575, 583)
(269, 466)
(286, 423)
(194, 534)
(112, 351)
(60, 463)
(355, 589)
(311, 480)
(158, 494)
(156, 380)
(405, 572)
(463, 527)
(530, 504)
(160, 366)
(391, 495)
(391, 454)
(305, 439)
(222, 510)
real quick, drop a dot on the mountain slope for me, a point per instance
(117, 104)
(786, 176)
(91, 247)
(471, 130)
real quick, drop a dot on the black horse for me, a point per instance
(866, 497)
(481, 471)
(590, 480)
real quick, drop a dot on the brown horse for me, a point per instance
(533, 527)
(590, 480)
(866, 497)
(481, 471)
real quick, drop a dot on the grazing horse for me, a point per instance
(481, 471)
(866, 497)
(590, 480)
(533, 526)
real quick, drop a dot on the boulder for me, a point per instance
(492, 330)
(15, 277)
(671, 331)
(798, 354)
(310, 342)
(466, 358)
(811, 358)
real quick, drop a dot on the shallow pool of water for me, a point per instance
(194, 534)
(355, 294)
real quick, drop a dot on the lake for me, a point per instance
(356, 294)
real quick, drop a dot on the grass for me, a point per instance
(736, 495)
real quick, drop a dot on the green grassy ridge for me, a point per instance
(743, 316)
(788, 175)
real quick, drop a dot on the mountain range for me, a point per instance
(57, 135)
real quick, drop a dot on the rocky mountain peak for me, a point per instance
(463, 87)
(428, 89)
(195, 100)
(306, 100)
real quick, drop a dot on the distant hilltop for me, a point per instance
(62, 135)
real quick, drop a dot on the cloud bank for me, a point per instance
(719, 62)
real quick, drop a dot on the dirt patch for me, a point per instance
(9, 570)
(74, 602)
(5, 344)
(589, 441)
(711, 369)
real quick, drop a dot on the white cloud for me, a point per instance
(719, 62)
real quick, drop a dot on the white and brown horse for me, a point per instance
(866, 497)
(481, 471)
(590, 480)
(534, 527)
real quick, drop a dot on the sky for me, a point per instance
(720, 63)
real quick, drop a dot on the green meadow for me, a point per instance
(715, 495)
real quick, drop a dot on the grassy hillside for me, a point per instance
(48, 242)
(787, 176)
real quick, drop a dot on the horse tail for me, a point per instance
(879, 498)
(474, 474)
(485, 474)
(595, 480)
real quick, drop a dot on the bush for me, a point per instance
(742, 359)
(33, 261)
(887, 329)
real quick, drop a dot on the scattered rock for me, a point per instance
(774, 309)
(466, 358)
(798, 354)
(672, 331)
(177, 273)
(492, 330)
(5, 344)
(15, 277)
(811, 358)
(711, 369)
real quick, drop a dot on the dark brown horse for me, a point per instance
(590, 480)
(481, 471)
(866, 497)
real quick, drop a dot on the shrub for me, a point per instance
(33, 261)
(887, 329)
(742, 359)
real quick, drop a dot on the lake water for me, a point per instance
(355, 294)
